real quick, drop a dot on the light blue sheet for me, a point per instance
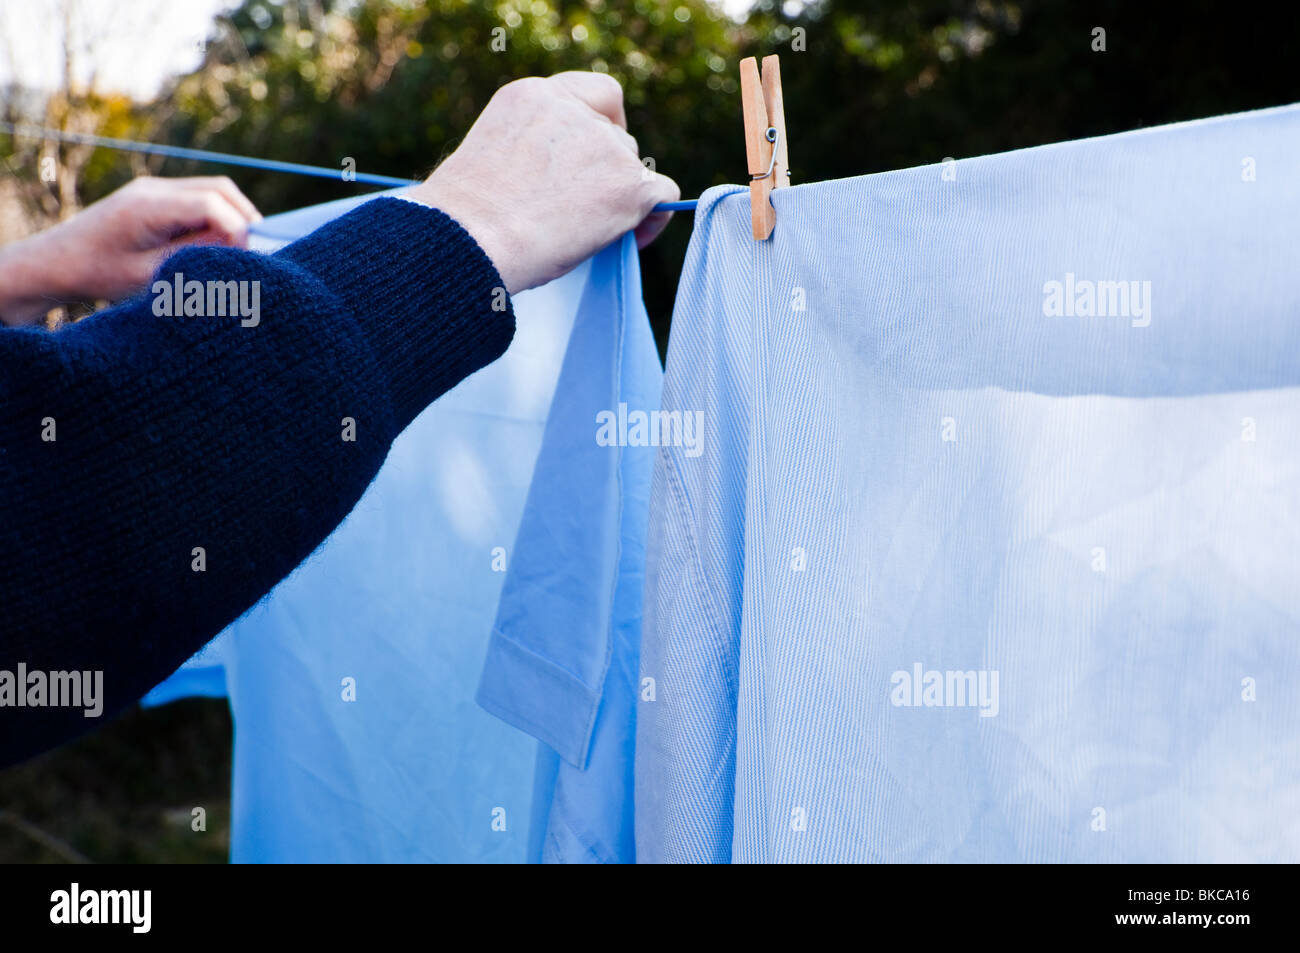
(402, 599)
(917, 456)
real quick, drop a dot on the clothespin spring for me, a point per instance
(774, 137)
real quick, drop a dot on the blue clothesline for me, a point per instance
(226, 158)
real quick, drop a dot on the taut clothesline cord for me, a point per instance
(226, 158)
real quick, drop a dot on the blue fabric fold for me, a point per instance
(562, 661)
(551, 645)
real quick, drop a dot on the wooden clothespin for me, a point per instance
(766, 150)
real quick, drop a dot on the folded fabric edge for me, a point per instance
(539, 698)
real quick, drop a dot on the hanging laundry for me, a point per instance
(352, 685)
(991, 552)
(562, 661)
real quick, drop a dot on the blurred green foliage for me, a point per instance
(394, 86)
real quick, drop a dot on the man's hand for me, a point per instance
(112, 248)
(547, 176)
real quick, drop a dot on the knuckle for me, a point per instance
(613, 86)
(519, 91)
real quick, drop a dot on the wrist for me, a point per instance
(35, 276)
(475, 217)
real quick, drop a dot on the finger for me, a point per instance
(187, 211)
(207, 236)
(627, 141)
(189, 240)
(650, 228)
(215, 236)
(657, 188)
(227, 189)
(600, 91)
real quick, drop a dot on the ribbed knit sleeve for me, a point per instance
(159, 475)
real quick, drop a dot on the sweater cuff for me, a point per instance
(433, 305)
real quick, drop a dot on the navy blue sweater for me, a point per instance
(173, 434)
